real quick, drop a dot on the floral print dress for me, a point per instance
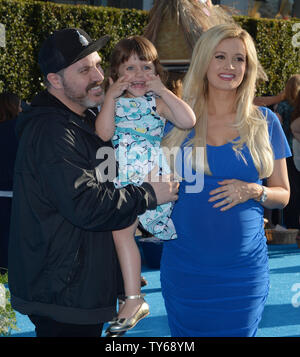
(137, 138)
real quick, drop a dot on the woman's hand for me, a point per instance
(232, 192)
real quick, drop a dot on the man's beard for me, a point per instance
(82, 99)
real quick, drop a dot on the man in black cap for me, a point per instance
(63, 269)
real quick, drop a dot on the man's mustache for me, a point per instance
(92, 85)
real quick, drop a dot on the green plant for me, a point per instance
(8, 319)
(27, 23)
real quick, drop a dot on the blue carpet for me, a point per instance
(281, 317)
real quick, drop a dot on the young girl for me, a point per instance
(133, 114)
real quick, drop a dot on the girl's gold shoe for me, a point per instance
(120, 326)
(114, 334)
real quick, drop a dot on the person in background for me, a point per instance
(284, 9)
(295, 129)
(269, 101)
(284, 111)
(63, 270)
(283, 104)
(215, 276)
(295, 120)
(286, 106)
(10, 106)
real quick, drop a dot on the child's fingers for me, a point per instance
(110, 81)
(125, 78)
(118, 87)
(121, 79)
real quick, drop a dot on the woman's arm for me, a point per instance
(269, 100)
(278, 187)
(233, 192)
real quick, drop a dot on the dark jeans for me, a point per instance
(46, 327)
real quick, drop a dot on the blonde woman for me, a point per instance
(215, 277)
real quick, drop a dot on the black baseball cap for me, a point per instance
(65, 47)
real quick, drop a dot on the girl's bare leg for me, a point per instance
(130, 262)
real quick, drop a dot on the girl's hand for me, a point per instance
(117, 88)
(154, 84)
(233, 192)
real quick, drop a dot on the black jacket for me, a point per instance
(8, 151)
(62, 261)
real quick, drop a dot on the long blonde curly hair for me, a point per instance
(249, 121)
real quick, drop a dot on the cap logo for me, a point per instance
(82, 39)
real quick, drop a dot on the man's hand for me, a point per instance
(165, 188)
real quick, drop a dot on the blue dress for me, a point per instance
(137, 137)
(215, 276)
